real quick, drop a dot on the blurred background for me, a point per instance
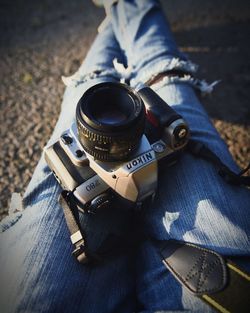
(42, 40)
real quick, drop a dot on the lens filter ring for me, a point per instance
(110, 120)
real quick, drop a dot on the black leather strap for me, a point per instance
(70, 211)
(205, 273)
(199, 270)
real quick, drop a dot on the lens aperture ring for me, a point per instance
(109, 147)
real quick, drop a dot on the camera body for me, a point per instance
(115, 145)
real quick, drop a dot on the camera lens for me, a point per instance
(112, 114)
(110, 120)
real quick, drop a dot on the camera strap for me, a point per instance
(71, 215)
(207, 275)
(107, 246)
(198, 149)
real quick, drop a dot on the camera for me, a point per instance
(114, 146)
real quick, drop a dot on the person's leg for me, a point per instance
(193, 203)
(150, 48)
(38, 272)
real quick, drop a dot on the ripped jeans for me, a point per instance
(38, 272)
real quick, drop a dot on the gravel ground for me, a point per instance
(42, 40)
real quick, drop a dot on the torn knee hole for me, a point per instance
(171, 73)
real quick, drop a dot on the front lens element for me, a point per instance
(111, 116)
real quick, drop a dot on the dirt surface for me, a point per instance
(42, 40)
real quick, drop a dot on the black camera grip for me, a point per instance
(157, 107)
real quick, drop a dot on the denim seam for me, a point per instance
(11, 219)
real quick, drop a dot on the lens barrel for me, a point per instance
(110, 120)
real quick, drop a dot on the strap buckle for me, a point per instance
(80, 250)
(79, 253)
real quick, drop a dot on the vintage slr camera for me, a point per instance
(115, 145)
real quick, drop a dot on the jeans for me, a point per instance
(192, 203)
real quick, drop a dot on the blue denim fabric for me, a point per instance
(193, 203)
